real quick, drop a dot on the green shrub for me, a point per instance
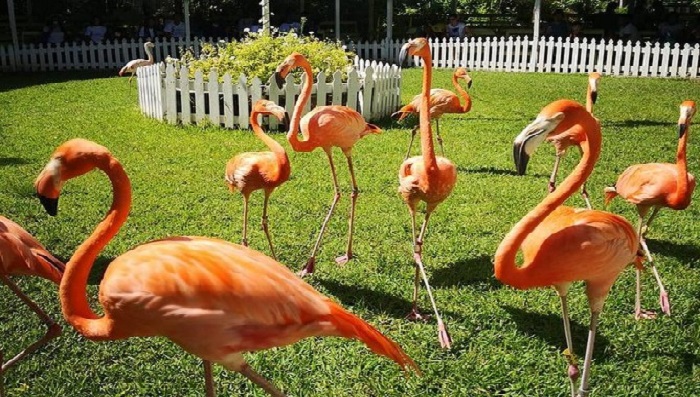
(259, 54)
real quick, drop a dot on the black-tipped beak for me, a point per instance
(279, 80)
(682, 128)
(594, 96)
(50, 205)
(469, 84)
(520, 157)
(403, 54)
(285, 120)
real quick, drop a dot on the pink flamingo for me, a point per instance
(134, 64)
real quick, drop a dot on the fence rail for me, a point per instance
(372, 88)
(512, 54)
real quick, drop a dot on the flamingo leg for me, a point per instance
(209, 379)
(585, 376)
(410, 144)
(584, 192)
(341, 260)
(264, 224)
(439, 138)
(573, 366)
(663, 294)
(245, 220)
(553, 177)
(645, 228)
(53, 329)
(414, 314)
(258, 379)
(443, 335)
(640, 313)
(311, 263)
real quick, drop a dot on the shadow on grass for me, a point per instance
(486, 170)
(685, 253)
(550, 328)
(636, 123)
(5, 161)
(14, 81)
(472, 271)
(99, 269)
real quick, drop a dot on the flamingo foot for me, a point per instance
(416, 315)
(444, 336)
(341, 260)
(573, 372)
(552, 186)
(644, 229)
(665, 303)
(244, 242)
(308, 268)
(642, 314)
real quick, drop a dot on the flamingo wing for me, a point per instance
(22, 254)
(338, 126)
(647, 184)
(443, 101)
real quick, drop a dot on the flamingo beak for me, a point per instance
(594, 96)
(520, 157)
(469, 84)
(682, 128)
(530, 138)
(403, 54)
(50, 204)
(279, 80)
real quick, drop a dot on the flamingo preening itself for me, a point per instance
(325, 127)
(252, 171)
(441, 101)
(213, 298)
(652, 187)
(22, 255)
(426, 178)
(561, 244)
(561, 141)
(134, 64)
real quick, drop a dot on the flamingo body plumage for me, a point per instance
(213, 298)
(134, 64)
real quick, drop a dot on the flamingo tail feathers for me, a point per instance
(371, 129)
(404, 112)
(610, 193)
(351, 326)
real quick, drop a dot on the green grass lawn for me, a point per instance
(506, 342)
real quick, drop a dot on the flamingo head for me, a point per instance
(687, 113)
(73, 158)
(533, 135)
(291, 62)
(148, 44)
(461, 73)
(263, 106)
(593, 79)
(416, 47)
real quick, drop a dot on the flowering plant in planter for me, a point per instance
(259, 54)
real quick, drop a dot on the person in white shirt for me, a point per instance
(96, 32)
(176, 28)
(455, 28)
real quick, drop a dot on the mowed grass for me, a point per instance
(507, 342)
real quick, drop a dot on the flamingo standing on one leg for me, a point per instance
(441, 101)
(651, 187)
(134, 64)
(213, 298)
(22, 255)
(325, 127)
(252, 171)
(561, 142)
(561, 244)
(425, 178)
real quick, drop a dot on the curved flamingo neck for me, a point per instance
(426, 134)
(149, 54)
(589, 100)
(293, 134)
(506, 269)
(272, 144)
(682, 187)
(73, 294)
(464, 94)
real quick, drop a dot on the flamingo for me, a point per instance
(252, 171)
(561, 142)
(134, 64)
(213, 298)
(651, 187)
(22, 255)
(325, 127)
(561, 244)
(425, 178)
(441, 101)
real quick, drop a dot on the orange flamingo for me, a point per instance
(653, 186)
(22, 255)
(134, 64)
(441, 101)
(252, 171)
(561, 141)
(425, 178)
(561, 244)
(325, 127)
(213, 298)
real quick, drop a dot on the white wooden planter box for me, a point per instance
(372, 88)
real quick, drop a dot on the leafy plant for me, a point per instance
(259, 54)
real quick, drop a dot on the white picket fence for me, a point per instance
(513, 54)
(373, 89)
(516, 54)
